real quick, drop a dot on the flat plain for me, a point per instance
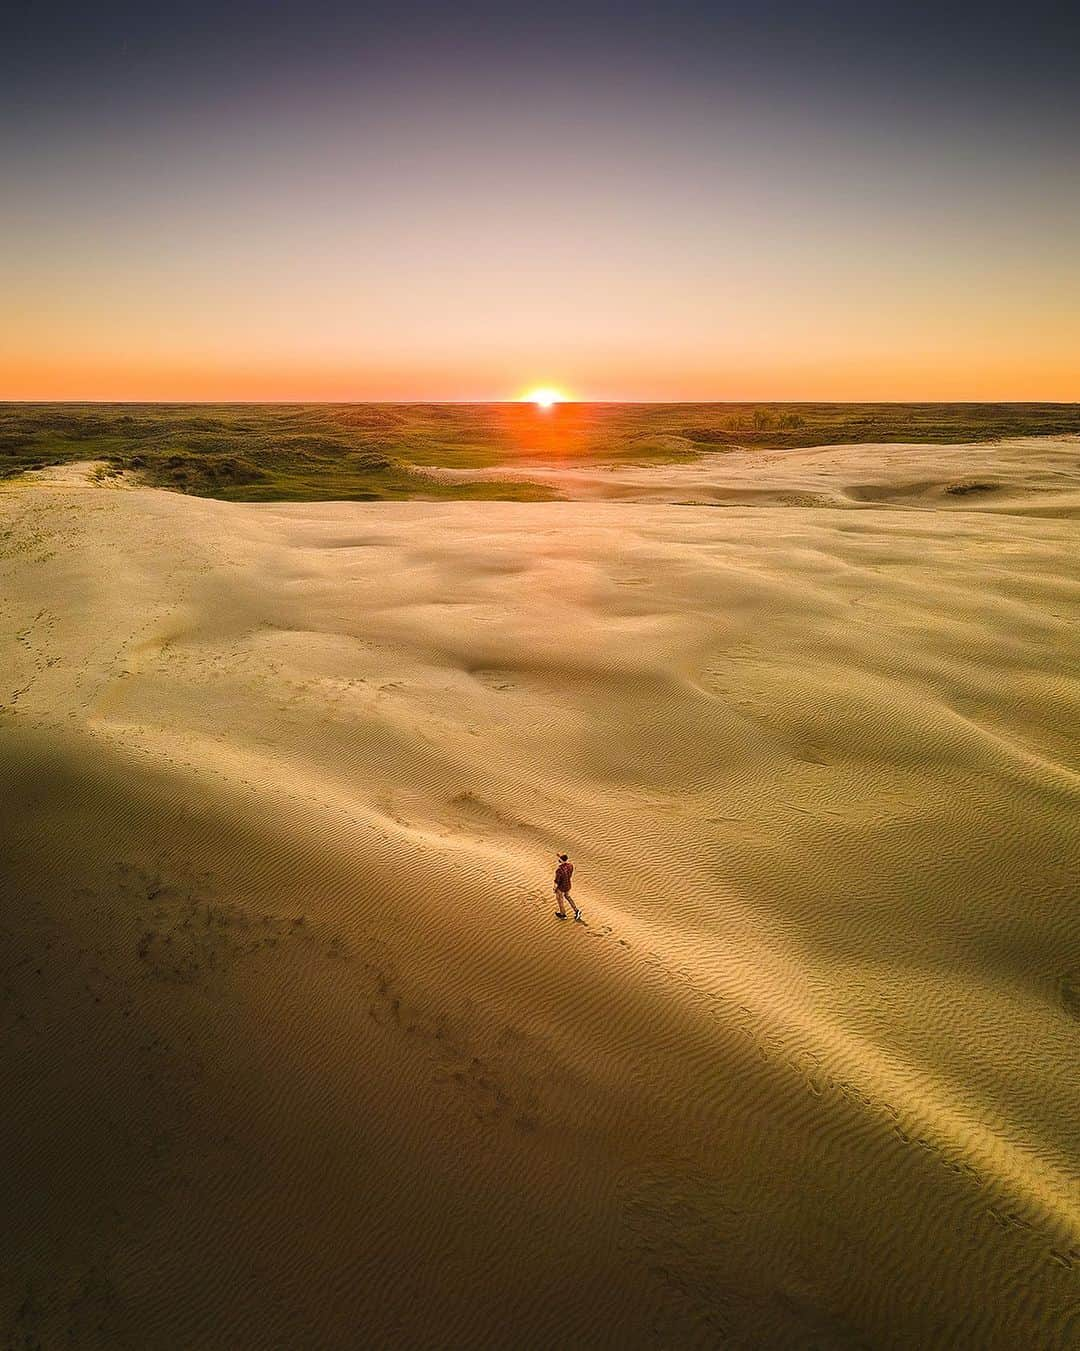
(295, 1052)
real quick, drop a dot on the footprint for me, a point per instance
(1069, 990)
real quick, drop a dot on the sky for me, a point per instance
(332, 201)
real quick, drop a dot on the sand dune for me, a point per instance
(295, 1053)
(1028, 476)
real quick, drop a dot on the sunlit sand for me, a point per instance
(303, 1059)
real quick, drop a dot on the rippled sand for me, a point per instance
(295, 1053)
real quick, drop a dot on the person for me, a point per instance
(563, 875)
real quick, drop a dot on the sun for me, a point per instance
(545, 397)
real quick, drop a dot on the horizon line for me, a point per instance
(510, 403)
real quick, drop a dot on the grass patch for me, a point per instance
(364, 452)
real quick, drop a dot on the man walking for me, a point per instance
(563, 875)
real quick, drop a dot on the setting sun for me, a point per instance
(544, 397)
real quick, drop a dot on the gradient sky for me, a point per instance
(460, 201)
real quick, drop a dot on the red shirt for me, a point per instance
(563, 874)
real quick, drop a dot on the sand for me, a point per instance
(295, 1052)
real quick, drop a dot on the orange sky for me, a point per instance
(1050, 377)
(201, 316)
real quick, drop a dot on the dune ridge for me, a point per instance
(300, 1055)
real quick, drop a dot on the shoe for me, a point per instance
(559, 914)
(577, 917)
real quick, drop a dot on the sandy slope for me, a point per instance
(294, 1052)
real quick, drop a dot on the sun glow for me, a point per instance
(545, 397)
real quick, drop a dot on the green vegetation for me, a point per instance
(377, 451)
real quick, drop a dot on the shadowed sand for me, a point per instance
(294, 1053)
